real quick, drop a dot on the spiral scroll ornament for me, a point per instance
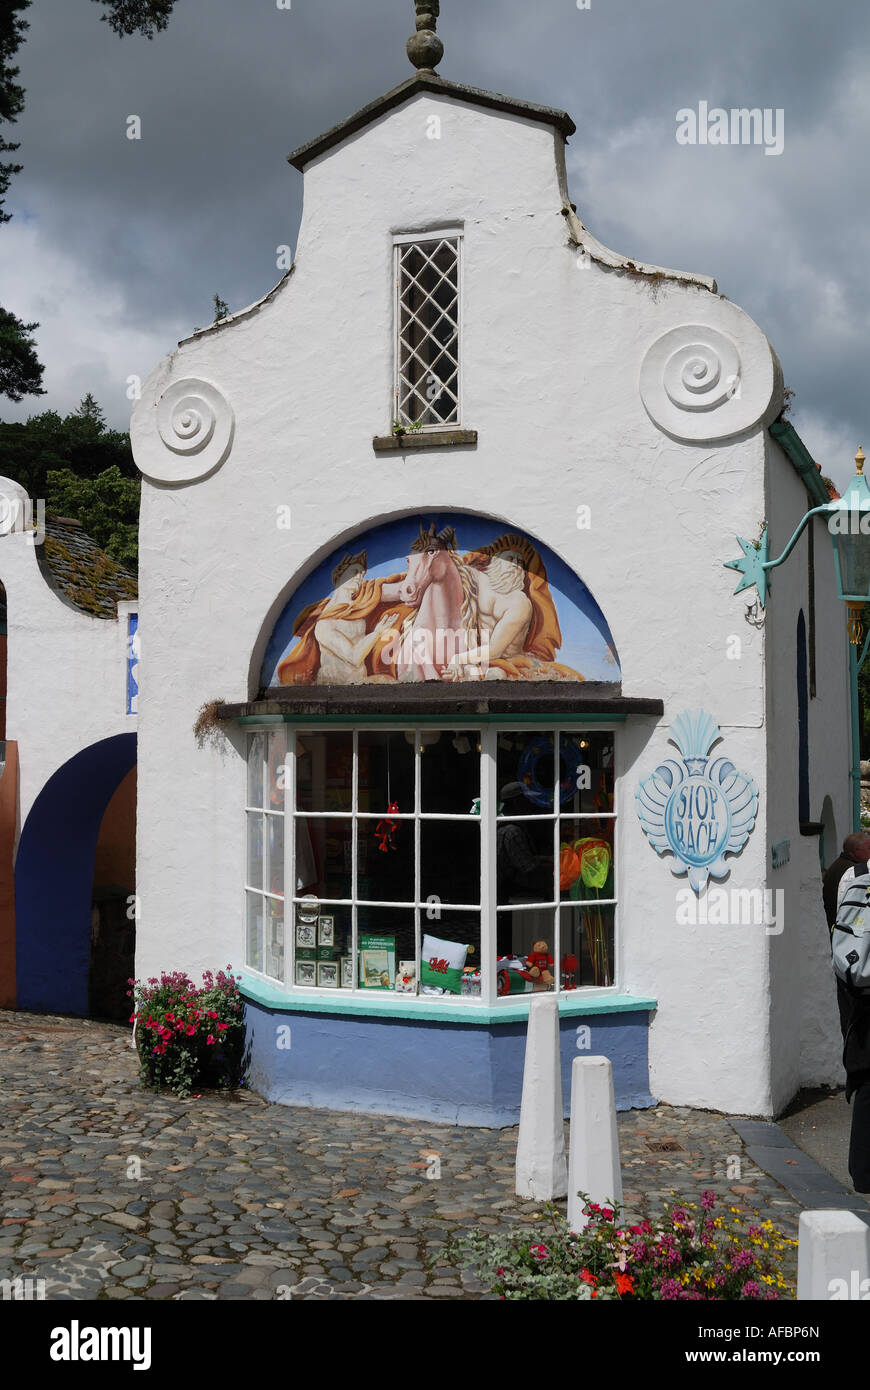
(697, 385)
(702, 375)
(195, 425)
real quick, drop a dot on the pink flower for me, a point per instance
(190, 1030)
(540, 1252)
(212, 1014)
(209, 1039)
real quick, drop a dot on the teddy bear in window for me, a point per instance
(539, 963)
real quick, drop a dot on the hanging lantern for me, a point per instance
(849, 525)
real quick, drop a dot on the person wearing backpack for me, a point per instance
(850, 950)
(853, 859)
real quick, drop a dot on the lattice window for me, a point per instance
(427, 388)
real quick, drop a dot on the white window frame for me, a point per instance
(422, 239)
(487, 908)
(262, 891)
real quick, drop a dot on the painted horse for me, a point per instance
(442, 595)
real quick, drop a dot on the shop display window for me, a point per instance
(452, 862)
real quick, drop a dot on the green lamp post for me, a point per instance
(848, 522)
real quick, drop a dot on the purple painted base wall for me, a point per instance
(451, 1073)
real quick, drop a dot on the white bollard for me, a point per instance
(542, 1171)
(593, 1161)
(833, 1256)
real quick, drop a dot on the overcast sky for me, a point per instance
(118, 246)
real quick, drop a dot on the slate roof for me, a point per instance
(80, 573)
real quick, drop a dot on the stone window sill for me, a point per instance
(418, 439)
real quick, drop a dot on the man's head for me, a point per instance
(857, 847)
(348, 575)
(513, 798)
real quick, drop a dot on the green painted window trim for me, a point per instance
(388, 1005)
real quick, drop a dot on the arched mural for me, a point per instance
(441, 597)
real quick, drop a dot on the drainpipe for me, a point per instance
(856, 739)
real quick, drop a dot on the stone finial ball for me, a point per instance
(425, 49)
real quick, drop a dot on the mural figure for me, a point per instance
(338, 634)
(342, 641)
(487, 614)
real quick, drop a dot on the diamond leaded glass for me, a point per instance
(427, 366)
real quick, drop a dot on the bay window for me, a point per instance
(454, 861)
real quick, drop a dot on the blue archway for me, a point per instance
(54, 872)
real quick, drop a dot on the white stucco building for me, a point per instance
(67, 771)
(460, 420)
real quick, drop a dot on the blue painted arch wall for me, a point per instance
(54, 871)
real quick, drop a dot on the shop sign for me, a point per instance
(698, 809)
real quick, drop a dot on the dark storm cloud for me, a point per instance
(119, 245)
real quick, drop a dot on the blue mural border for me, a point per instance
(386, 540)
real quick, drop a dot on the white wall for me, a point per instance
(806, 1038)
(65, 671)
(554, 349)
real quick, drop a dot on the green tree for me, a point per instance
(864, 692)
(91, 413)
(221, 309)
(12, 31)
(107, 506)
(81, 469)
(20, 370)
(137, 16)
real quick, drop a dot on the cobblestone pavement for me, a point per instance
(109, 1191)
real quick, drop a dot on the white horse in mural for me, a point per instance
(465, 617)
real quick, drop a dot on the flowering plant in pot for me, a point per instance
(189, 1036)
(687, 1253)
